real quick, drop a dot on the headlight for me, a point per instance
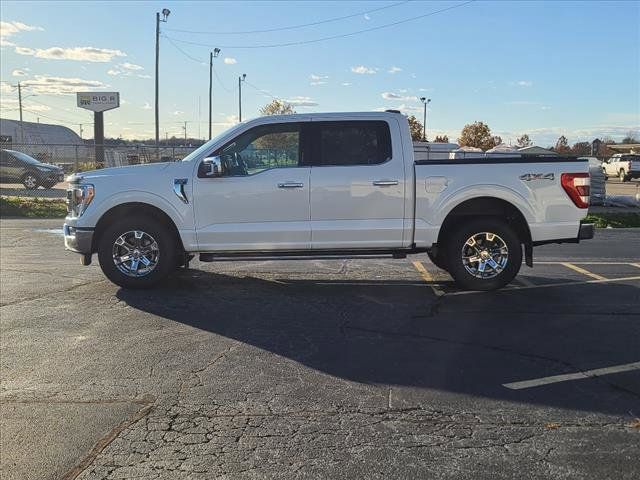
(78, 198)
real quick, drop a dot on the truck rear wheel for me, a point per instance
(484, 254)
(137, 252)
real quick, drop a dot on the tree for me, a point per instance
(581, 148)
(523, 141)
(562, 145)
(416, 128)
(277, 107)
(442, 139)
(631, 138)
(478, 134)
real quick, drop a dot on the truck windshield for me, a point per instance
(198, 152)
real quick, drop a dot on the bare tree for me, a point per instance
(277, 107)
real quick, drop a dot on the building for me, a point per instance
(535, 150)
(625, 147)
(30, 133)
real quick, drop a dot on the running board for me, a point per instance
(307, 255)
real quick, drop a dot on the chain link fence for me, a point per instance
(40, 170)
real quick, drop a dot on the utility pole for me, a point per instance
(20, 103)
(212, 55)
(424, 101)
(185, 133)
(240, 80)
(80, 125)
(165, 14)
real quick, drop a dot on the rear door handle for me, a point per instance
(291, 185)
(385, 183)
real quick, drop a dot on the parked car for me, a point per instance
(337, 184)
(19, 167)
(625, 166)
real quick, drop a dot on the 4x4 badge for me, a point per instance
(527, 177)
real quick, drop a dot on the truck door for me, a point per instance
(357, 185)
(261, 201)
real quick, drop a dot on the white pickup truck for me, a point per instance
(625, 166)
(336, 184)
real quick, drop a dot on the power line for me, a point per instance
(290, 27)
(194, 59)
(322, 39)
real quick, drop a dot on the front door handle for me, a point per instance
(291, 185)
(385, 183)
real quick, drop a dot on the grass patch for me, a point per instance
(614, 220)
(32, 207)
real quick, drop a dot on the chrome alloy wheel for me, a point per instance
(136, 253)
(30, 181)
(485, 255)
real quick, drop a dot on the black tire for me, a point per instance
(30, 181)
(155, 230)
(622, 176)
(439, 259)
(458, 240)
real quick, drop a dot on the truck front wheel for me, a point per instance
(137, 252)
(484, 254)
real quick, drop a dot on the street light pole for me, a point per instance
(212, 55)
(424, 101)
(240, 80)
(20, 104)
(165, 15)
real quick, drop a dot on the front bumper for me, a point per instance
(78, 239)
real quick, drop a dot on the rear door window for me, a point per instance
(352, 143)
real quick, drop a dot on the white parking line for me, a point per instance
(637, 265)
(598, 372)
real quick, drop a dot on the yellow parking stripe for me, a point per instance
(583, 271)
(427, 277)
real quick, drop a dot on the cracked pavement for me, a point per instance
(313, 369)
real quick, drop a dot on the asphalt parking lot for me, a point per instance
(373, 368)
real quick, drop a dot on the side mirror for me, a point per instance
(213, 166)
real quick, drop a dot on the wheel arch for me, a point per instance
(137, 208)
(489, 207)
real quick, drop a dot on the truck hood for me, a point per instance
(138, 170)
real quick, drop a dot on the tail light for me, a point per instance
(577, 186)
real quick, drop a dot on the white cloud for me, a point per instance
(395, 96)
(131, 66)
(230, 61)
(19, 73)
(394, 70)
(9, 29)
(230, 120)
(362, 70)
(367, 17)
(146, 106)
(127, 70)
(404, 108)
(178, 112)
(316, 78)
(48, 85)
(525, 83)
(13, 103)
(346, 84)
(80, 54)
(302, 102)
(6, 87)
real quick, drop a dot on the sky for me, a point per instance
(542, 68)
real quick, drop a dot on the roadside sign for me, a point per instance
(98, 101)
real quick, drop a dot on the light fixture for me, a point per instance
(216, 52)
(165, 14)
